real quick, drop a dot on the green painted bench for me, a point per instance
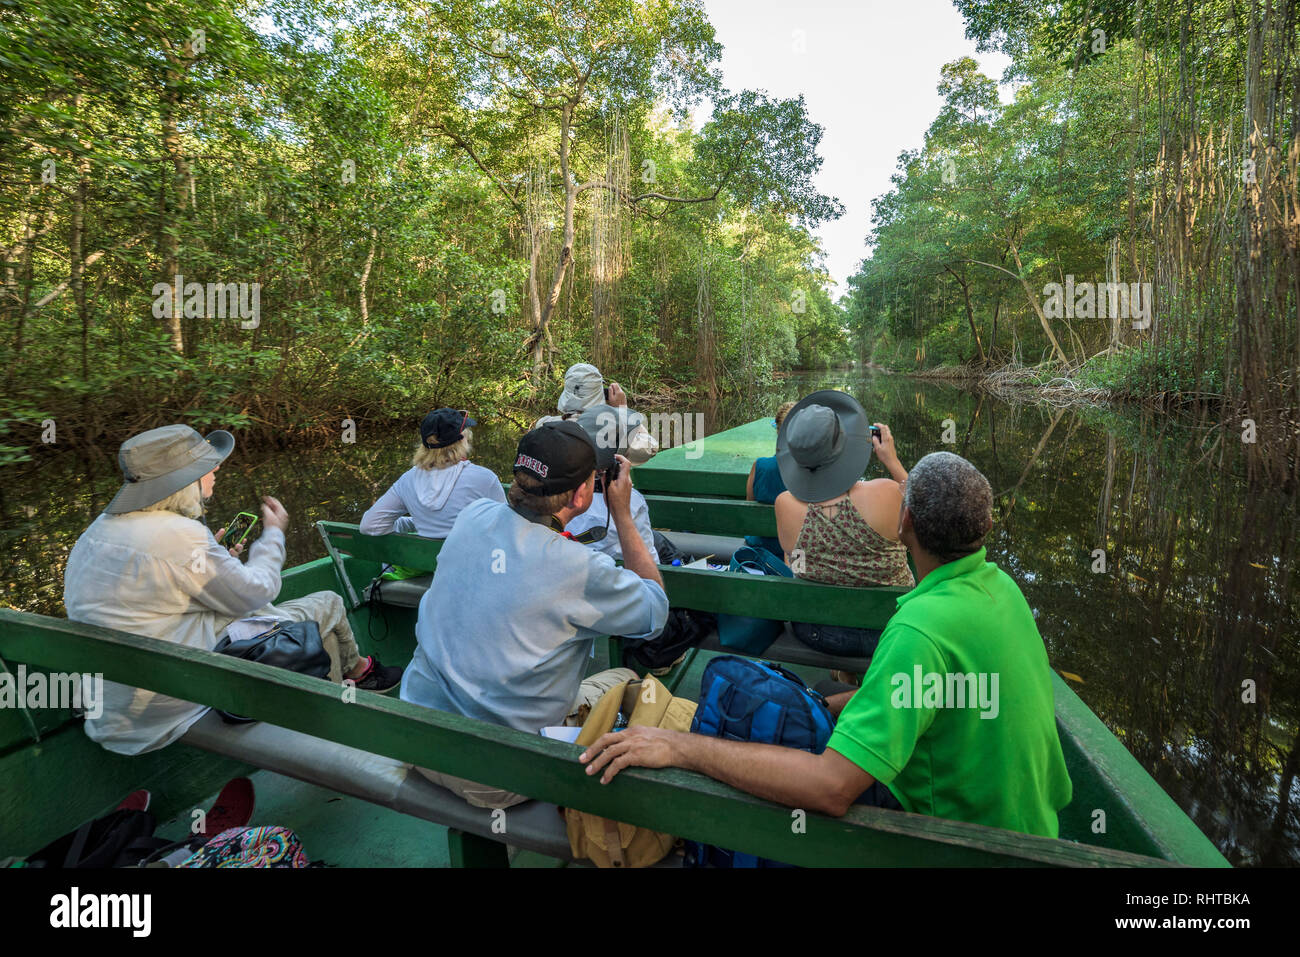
(735, 593)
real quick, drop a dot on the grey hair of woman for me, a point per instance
(951, 505)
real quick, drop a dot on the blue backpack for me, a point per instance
(747, 700)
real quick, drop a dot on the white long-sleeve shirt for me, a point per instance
(596, 515)
(161, 575)
(432, 497)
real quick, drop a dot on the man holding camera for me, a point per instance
(584, 389)
(603, 424)
(506, 630)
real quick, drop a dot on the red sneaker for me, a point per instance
(136, 801)
(233, 808)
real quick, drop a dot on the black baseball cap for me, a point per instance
(444, 427)
(560, 455)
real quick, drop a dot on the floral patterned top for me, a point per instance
(841, 548)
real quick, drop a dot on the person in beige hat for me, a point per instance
(584, 389)
(149, 566)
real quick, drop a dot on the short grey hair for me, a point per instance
(951, 505)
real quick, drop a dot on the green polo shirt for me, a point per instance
(956, 713)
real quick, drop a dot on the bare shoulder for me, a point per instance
(786, 502)
(877, 490)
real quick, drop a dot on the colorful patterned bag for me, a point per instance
(250, 847)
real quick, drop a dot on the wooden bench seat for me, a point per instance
(405, 593)
(788, 649)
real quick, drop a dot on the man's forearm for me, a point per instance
(635, 555)
(836, 702)
(787, 776)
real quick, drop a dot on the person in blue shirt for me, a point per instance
(508, 627)
(765, 484)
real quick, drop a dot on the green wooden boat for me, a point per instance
(335, 769)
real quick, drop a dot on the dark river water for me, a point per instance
(1185, 645)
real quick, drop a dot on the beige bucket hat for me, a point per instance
(161, 462)
(584, 386)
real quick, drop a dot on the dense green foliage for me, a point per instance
(439, 202)
(1144, 143)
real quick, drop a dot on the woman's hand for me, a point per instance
(273, 514)
(234, 552)
(883, 445)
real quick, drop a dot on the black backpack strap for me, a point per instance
(79, 839)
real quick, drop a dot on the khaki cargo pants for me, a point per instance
(481, 795)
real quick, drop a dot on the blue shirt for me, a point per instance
(507, 629)
(768, 484)
(595, 517)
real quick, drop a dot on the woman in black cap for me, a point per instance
(833, 527)
(441, 481)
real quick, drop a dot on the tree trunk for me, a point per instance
(970, 313)
(365, 275)
(1038, 307)
(170, 200)
(539, 348)
(76, 250)
(25, 274)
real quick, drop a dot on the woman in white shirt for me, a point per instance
(441, 481)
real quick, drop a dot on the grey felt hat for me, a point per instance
(823, 446)
(161, 462)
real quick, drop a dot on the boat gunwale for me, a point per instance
(691, 805)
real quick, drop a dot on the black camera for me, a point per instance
(875, 431)
(611, 474)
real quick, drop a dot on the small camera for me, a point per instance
(611, 474)
(606, 394)
(875, 431)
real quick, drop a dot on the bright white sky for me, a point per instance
(868, 73)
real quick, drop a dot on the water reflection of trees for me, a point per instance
(1197, 595)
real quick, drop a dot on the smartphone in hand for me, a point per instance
(238, 529)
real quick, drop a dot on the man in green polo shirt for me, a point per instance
(955, 714)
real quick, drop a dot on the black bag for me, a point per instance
(684, 630)
(667, 550)
(121, 839)
(294, 645)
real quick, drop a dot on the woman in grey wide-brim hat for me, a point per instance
(834, 527)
